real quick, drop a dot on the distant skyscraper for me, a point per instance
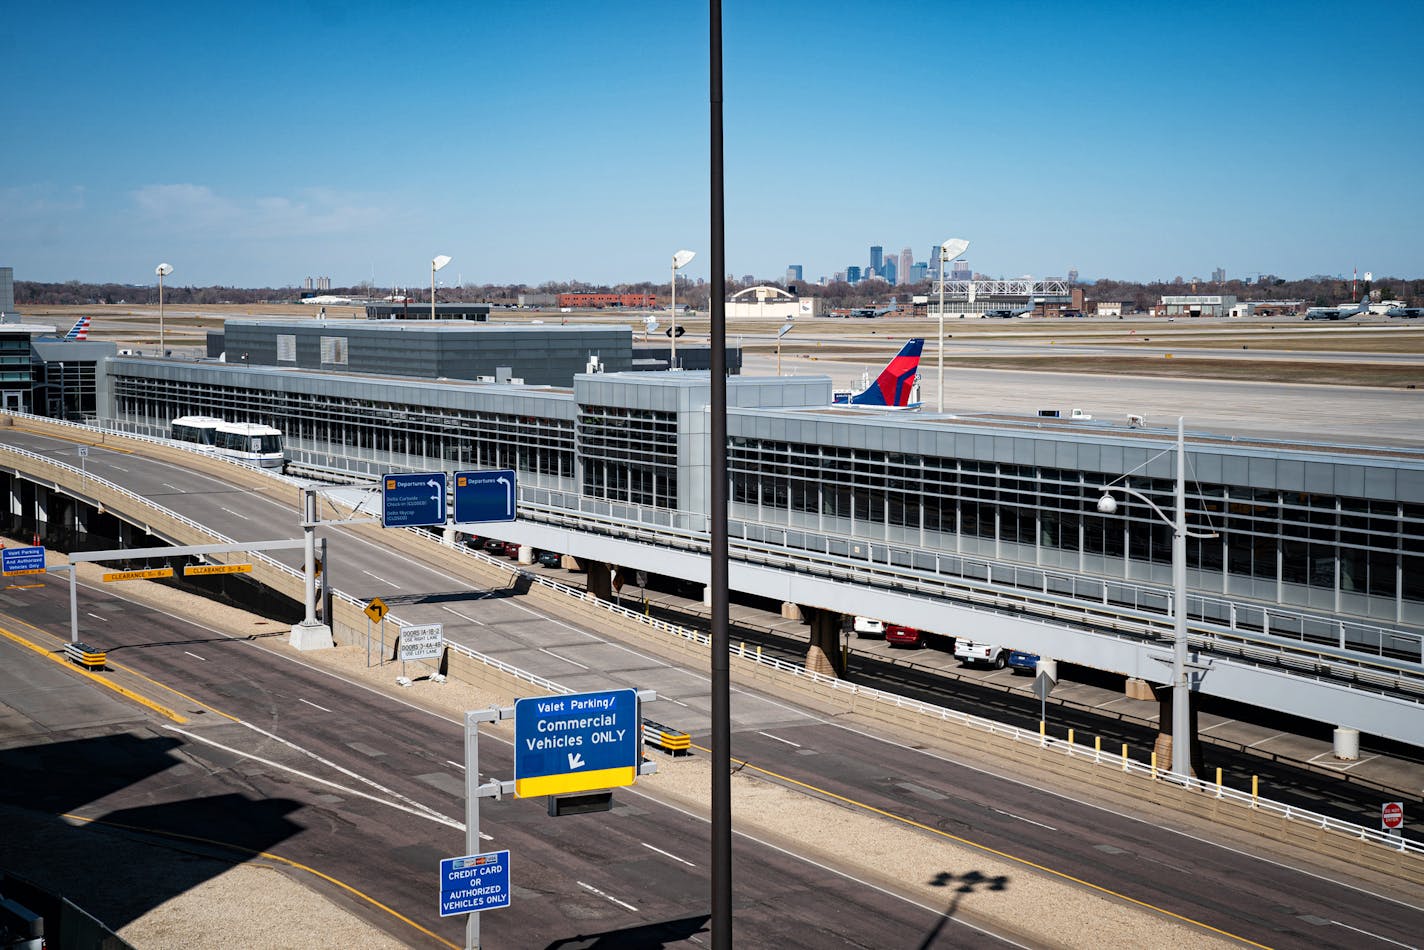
(793, 274)
(907, 261)
(852, 274)
(919, 272)
(1072, 275)
(960, 270)
(1219, 275)
(890, 269)
(838, 277)
(877, 258)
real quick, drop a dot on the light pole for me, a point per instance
(162, 270)
(679, 260)
(437, 262)
(948, 251)
(1181, 684)
(779, 334)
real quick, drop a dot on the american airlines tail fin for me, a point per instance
(80, 330)
(895, 383)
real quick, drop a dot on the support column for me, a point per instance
(1165, 739)
(824, 653)
(600, 579)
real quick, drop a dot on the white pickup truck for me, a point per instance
(974, 651)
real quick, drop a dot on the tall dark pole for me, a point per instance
(717, 512)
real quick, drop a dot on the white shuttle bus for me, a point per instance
(247, 442)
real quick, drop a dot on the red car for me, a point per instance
(898, 635)
(511, 550)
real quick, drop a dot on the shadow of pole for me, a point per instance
(966, 883)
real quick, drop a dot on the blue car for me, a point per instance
(1019, 660)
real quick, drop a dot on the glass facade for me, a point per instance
(628, 455)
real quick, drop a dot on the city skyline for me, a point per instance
(506, 144)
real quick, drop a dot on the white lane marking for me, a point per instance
(344, 771)
(174, 487)
(420, 811)
(379, 578)
(464, 616)
(557, 623)
(1009, 814)
(1224, 722)
(312, 704)
(794, 745)
(97, 617)
(667, 854)
(607, 897)
(119, 467)
(564, 658)
(1376, 936)
(678, 701)
(195, 656)
(456, 764)
(233, 513)
(1267, 739)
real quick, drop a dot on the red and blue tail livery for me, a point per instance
(80, 330)
(896, 383)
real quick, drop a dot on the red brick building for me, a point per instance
(600, 300)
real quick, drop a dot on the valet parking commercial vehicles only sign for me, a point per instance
(577, 743)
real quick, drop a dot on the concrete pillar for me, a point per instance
(824, 652)
(1347, 744)
(1138, 689)
(790, 611)
(600, 579)
(1163, 745)
(526, 554)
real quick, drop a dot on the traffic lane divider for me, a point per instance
(63, 660)
(666, 738)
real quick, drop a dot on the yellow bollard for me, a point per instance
(1218, 781)
(1042, 735)
(1255, 789)
(1124, 756)
(1070, 741)
(758, 651)
(1154, 765)
(743, 648)
(1097, 748)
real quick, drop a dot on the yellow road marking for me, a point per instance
(118, 666)
(985, 848)
(271, 857)
(141, 700)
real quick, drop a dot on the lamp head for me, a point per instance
(1107, 504)
(952, 248)
(439, 261)
(163, 270)
(682, 258)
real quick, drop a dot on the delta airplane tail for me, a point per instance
(80, 330)
(895, 383)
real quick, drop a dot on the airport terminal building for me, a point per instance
(1310, 534)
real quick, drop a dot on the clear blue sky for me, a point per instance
(257, 144)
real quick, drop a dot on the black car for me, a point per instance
(549, 558)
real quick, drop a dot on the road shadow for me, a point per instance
(124, 860)
(642, 937)
(966, 883)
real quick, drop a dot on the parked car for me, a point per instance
(973, 651)
(899, 635)
(1019, 661)
(869, 627)
(511, 549)
(549, 558)
(494, 546)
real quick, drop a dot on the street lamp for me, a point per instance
(162, 270)
(948, 251)
(1181, 685)
(779, 334)
(437, 262)
(679, 260)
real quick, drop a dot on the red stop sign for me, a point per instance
(1392, 815)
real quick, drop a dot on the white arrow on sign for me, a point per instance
(575, 760)
(508, 493)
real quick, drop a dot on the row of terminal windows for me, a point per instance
(628, 455)
(1314, 540)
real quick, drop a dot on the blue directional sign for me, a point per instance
(412, 500)
(29, 560)
(576, 743)
(474, 883)
(484, 496)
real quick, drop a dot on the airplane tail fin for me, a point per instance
(896, 381)
(80, 330)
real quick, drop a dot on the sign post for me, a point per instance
(375, 612)
(1043, 685)
(1392, 818)
(419, 643)
(576, 743)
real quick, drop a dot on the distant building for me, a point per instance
(890, 272)
(838, 277)
(601, 300)
(877, 258)
(1108, 308)
(1218, 276)
(537, 300)
(907, 261)
(1072, 275)
(959, 270)
(7, 292)
(852, 274)
(919, 272)
(773, 303)
(793, 274)
(1196, 305)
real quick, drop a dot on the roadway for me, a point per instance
(584, 658)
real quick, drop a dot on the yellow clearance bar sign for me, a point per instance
(35, 570)
(192, 570)
(148, 575)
